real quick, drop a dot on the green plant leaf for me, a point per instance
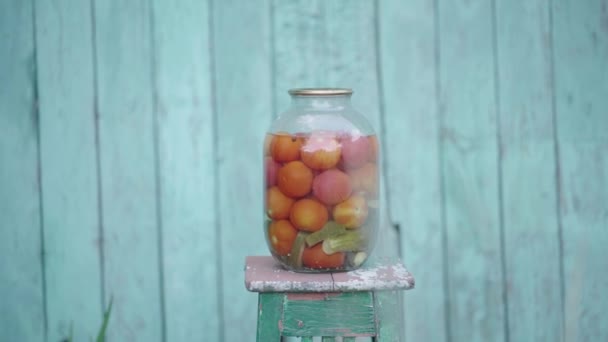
(101, 337)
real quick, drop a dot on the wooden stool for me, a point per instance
(364, 302)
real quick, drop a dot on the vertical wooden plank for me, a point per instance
(352, 62)
(128, 182)
(241, 51)
(69, 168)
(187, 185)
(331, 314)
(584, 184)
(299, 48)
(470, 171)
(407, 50)
(581, 72)
(351, 56)
(270, 313)
(531, 230)
(22, 285)
(386, 304)
(580, 37)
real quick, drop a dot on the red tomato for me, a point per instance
(314, 257)
(355, 151)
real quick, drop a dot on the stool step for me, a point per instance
(328, 314)
(347, 314)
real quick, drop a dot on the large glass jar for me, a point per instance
(321, 183)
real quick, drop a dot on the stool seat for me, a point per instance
(264, 274)
(364, 302)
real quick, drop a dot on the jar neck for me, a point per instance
(325, 102)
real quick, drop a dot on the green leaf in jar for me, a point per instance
(330, 229)
(350, 241)
(295, 257)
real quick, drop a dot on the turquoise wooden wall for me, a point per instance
(130, 139)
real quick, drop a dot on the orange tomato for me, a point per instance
(281, 235)
(285, 147)
(351, 213)
(295, 179)
(314, 257)
(277, 204)
(321, 151)
(308, 215)
(332, 186)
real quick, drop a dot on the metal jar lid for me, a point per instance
(320, 91)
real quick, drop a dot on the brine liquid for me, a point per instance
(321, 201)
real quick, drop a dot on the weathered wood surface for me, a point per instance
(270, 311)
(22, 285)
(470, 172)
(530, 227)
(264, 274)
(186, 185)
(388, 306)
(324, 316)
(69, 176)
(328, 314)
(127, 170)
(580, 47)
(243, 111)
(130, 139)
(408, 29)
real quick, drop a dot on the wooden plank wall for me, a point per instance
(68, 167)
(243, 110)
(22, 282)
(130, 159)
(580, 68)
(530, 229)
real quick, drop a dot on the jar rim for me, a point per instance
(320, 91)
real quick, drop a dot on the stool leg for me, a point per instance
(388, 312)
(270, 311)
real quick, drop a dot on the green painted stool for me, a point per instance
(365, 302)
